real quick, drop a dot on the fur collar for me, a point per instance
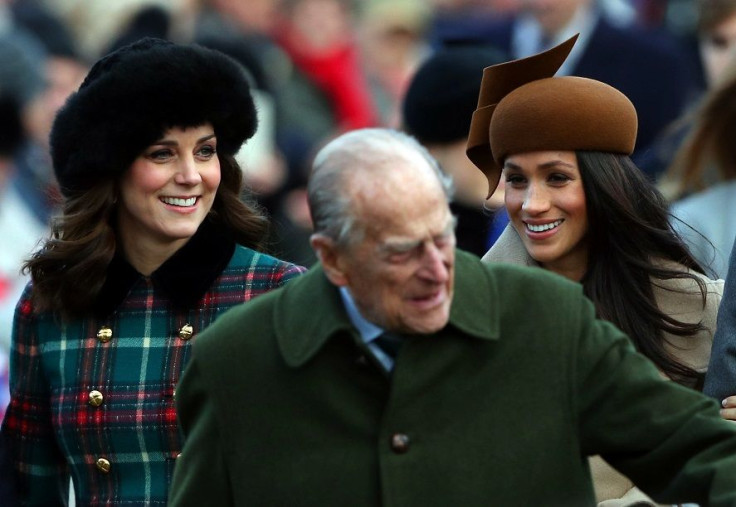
(184, 277)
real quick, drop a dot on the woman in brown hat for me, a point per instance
(578, 206)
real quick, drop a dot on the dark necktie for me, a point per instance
(389, 343)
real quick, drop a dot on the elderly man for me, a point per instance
(503, 383)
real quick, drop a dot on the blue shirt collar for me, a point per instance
(368, 331)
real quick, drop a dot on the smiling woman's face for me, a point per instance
(545, 201)
(169, 189)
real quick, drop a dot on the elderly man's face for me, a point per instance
(400, 273)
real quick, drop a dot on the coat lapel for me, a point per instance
(302, 328)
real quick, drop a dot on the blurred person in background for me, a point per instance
(96, 25)
(392, 41)
(153, 244)
(716, 37)
(18, 228)
(714, 44)
(246, 31)
(701, 180)
(325, 93)
(63, 71)
(15, 236)
(436, 110)
(21, 84)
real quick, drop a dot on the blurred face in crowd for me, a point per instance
(545, 201)
(400, 267)
(718, 47)
(169, 190)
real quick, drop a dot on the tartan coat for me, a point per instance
(94, 397)
(499, 408)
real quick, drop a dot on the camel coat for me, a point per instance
(678, 298)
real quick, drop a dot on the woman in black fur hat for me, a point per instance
(153, 244)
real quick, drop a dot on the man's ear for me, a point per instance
(330, 257)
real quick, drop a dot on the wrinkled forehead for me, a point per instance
(395, 185)
(415, 210)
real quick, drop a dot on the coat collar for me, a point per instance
(184, 277)
(302, 330)
(508, 248)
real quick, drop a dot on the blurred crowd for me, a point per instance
(322, 67)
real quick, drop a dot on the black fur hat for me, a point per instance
(133, 95)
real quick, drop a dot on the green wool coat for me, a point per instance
(499, 408)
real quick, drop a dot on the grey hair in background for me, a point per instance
(364, 150)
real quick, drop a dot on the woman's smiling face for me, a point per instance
(170, 188)
(545, 201)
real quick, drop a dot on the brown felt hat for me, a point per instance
(522, 108)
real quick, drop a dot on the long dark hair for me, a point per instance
(629, 231)
(70, 269)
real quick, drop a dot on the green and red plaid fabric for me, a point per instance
(119, 444)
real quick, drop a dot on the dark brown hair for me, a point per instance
(629, 232)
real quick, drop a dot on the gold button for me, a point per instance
(186, 332)
(103, 465)
(95, 398)
(104, 334)
(173, 394)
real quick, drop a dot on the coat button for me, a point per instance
(103, 465)
(95, 398)
(186, 332)
(104, 334)
(400, 443)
